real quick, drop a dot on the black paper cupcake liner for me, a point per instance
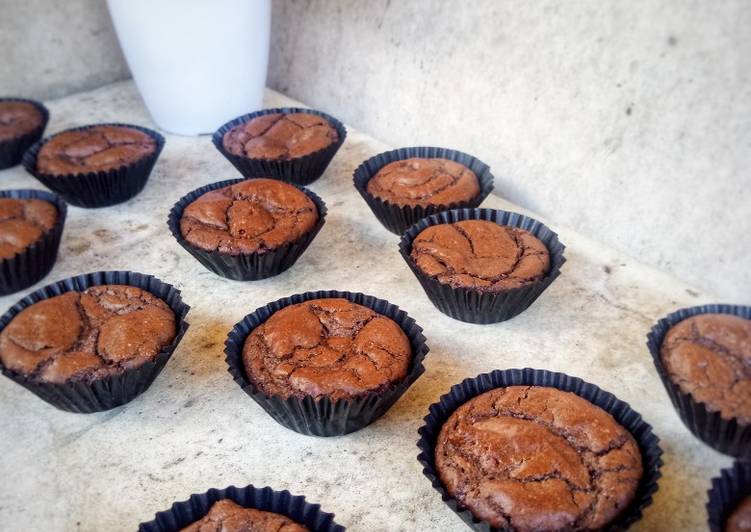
(245, 267)
(33, 263)
(397, 218)
(12, 150)
(725, 435)
(727, 491)
(469, 388)
(300, 170)
(325, 417)
(114, 390)
(98, 189)
(266, 499)
(475, 306)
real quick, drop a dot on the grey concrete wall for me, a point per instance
(54, 47)
(629, 121)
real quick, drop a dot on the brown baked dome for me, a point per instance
(481, 255)
(423, 182)
(252, 216)
(538, 458)
(280, 136)
(709, 357)
(89, 335)
(326, 347)
(23, 222)
(18, 118)
(228, 516)
(740, 519)
(93, 149)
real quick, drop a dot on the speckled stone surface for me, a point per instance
(195, 429)
(53, 48)
(640, 107)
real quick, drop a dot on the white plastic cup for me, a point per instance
(197, 63)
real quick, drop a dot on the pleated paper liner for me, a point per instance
(103, 188)
(295, 507)
(475, 306)
(33, 263)
(397, 218)
(725, 435)
(469, 388)
(324, 417)
(299, 170)
(245, 267)
(114, 390)
(727, 491)
(12, 150)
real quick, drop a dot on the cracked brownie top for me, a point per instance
(23, 222)
(709, 357)
(228, 516)
(280, 136)
(481, 255)
(326, 347)
(93, 149)
(424, 182)
(740, 519)
(538, 458)
(252, 216)
(18, 119)
(84, 336)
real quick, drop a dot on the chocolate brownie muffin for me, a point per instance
(93, 149)
(538, 458)
(740, 519)
(228, 516)
(481, 255)
(326, 347)
(18, 118)
(86, 336)
(709, 357)
(280, 136)
(423, 182)
(252, 216)
(23, 222)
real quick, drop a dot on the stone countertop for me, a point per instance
(195, 429)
